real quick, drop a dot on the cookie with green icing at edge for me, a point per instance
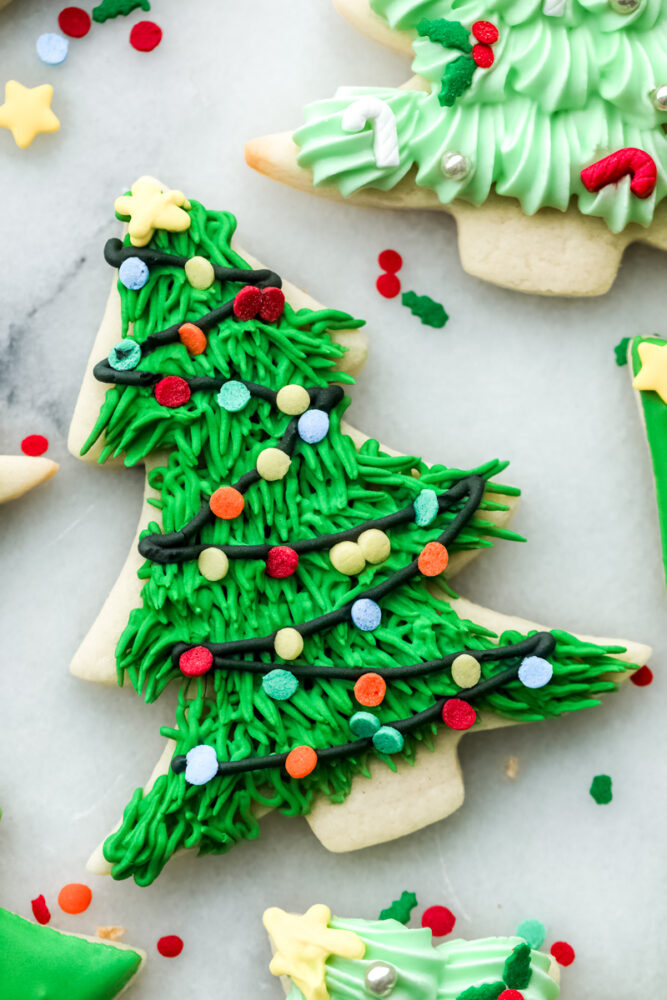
(39, 962)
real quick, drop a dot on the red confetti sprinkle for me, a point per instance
(247, 302)
(281, 561)
(196, 661)
(510, 995)
(172, 391)
(563, 952)
(642, 677)
(390, 260)
(388, 285)
(34, 444)
(273, 304)
(145, 36)
(439, 919)
(484, 31)
(483, 55)
(40, 910)
(458, 714)
(74, 21)
(170, 946)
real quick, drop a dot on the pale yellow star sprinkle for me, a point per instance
(27, 112)
(150, 207)
(653, 372)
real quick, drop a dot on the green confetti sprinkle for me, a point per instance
(533, 932)
(401, 909)
(601, 789)
(431, 313)
(518, 972)
(113, 8)
(621, 352)
(489, 991)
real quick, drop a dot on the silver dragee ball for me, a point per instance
(625, 6)
(455, 166)
(660, 97)
(380, 978)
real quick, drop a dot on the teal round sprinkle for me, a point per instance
(533, 933)
(279, 684)
(233, 396)
(364, 724)
(125, 355)
(426, 507)
(388, 740)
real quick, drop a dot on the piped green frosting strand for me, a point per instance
(654, 411)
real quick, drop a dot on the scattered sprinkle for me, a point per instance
(74, 897)
(430, 312)
(642, 677)
(388, 285)
(400, 909)
(40, 910)
(145, 36)
(110, 933)
(52, 48)
(34, 445)
(621, 352)
(563, 952)
(113, 8)
(512, 768)
(74, 21)
(170, 946)
(600, 789)
(533, 932)
(390, 260)
(439, 919)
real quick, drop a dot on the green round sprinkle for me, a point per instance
(533, 932)
(426, 507)
(601, 789)
(364, 724)
(280, 684)
(233, 396)
(388, 740)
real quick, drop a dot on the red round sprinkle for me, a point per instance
(172, 391)
(281, 561)
(484, 31)
(196, 661)
(439, 919)
(34, 444)
(390, 260)
(563, 952)
(273, 304)
(74, 21)
(483, 55)
(642, 677)
(145, 36)
(388, 285)
(247, 302)
(40, 910)
(510, 995)
(170, 946)
(458, 714)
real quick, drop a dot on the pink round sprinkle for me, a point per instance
(439, 919)
(34, 444)
(145, 36)
(170, 946)
(196, 661)
(390, 260)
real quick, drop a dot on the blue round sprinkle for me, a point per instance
(52, 48)
(366, 614)
(535, 672)
(533, 933)
(426, 507)
(125, 355)
(388, 740)
(280, 684)
(313, 426)
(133, 273)
(364, 724)
(233, 396)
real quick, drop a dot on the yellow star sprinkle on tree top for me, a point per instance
(150, 207)
(304, 943)
(27, 112)
(653, 372)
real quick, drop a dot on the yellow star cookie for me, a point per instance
(150, 207)
(653, 372)
(27, 112)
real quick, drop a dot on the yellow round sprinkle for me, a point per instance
(347, 558)
(288, 643)
(466, 670)
(199, 272)
(292, 399)
(374, 544)
(213, 564)
(272, 464)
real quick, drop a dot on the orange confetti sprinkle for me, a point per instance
(227, 503)
(193, 338)
(301, 761)
(433, 559)
(74, 897)
(370, 690)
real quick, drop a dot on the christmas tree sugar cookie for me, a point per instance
(19, 473)
(289, 571)
(321, 957)
(41, 963)
(519, 121)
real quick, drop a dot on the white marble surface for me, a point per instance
(524, 378)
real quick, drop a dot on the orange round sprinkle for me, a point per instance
(433, 559)
(193, 338)
(74, 897)
(370, 690)
(300, 762)
(227, 503)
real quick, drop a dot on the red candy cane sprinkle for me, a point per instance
(40, 910)
(563, 952)
(145, 36)
(485, 32)
(632, 162)
(439, 919)
(74, 21)
(390, 260)
(642, 677)
(483, 55)
(388, 285)
(170, 946)
(34, 445)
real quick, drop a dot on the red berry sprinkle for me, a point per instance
(390, 260)
(170, 946)
(563, 952)
(40, 910)
(642, 677)
(281, 561)
(486, 32)
(388, 285)
(145, 36)
(74, 21)
(458, 714)
(34, 444)
(483, 55)
(510, 995)
(272, 304)
(439, 919)
(247, 302)
(196, 661)
(172, 391)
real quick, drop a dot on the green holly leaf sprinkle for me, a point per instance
(489, 991)
(601, 789)
(449, 34)
(401, 909)
(517, 972)
(113, 8)
(621, 352)
(430, 312)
